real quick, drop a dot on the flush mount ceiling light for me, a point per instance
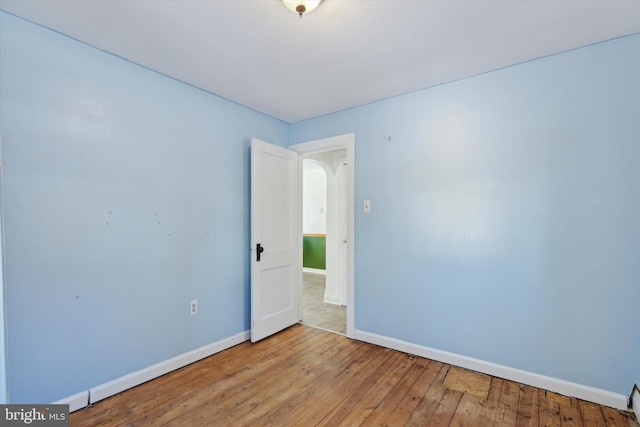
(301, 6)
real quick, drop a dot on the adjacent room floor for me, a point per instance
(317, 313)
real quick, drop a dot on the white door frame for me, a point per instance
(346, 141)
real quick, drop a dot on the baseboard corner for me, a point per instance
(75, 402)
(634, 401)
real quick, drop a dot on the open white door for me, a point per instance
(275, 239)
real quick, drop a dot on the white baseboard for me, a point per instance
(591, 394)
(635, 401)
(314, 270)
(75, 402)
(136, 378)
(331, 300)
(133, 379)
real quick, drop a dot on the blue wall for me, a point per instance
(514, 199)
(126, 196)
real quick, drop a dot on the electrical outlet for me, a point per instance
(193, 307)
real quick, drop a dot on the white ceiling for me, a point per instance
(344, 54)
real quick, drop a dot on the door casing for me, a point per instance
(346, 141)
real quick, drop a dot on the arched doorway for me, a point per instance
(325, 227)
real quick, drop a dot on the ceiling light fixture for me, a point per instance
(301, 6)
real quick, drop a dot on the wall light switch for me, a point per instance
(366, 206)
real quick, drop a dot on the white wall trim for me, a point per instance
(75, 402)
(136, 378)
(314, 270)
(591, 394)
(635, 402)
(331, 300)
(95, 394)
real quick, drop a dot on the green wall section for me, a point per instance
(314, 250)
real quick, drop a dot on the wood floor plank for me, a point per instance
(238, 399)
(507, 411)
(591, 414)
(487, 409)
(306, 377)
(548, 410)
(465, 414)
(363, 400)
(615, 418)
(570, 414)
(333, 398)
(429, 402)
(446, 408)
(382, 392)
(396, 395)
(294, 409)
(405, 408)
(527, 407)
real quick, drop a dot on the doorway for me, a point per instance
(324, 228)
(335, 157)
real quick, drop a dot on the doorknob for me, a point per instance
(259, 250)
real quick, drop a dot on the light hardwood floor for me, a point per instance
(307, 377)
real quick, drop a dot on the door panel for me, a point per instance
(275, 227)
(275, 283)
(277, 207)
